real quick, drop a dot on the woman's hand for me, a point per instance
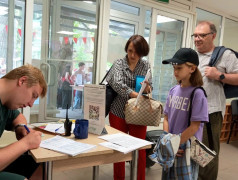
(147, 88)
(134, 94)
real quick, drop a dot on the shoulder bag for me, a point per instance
(110, 94)
(199, 152)
(147, 112)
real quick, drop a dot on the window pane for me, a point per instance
(230, 38)
(203, 15)
(147, 25)
(36, 30)
(12, 35)
(122, 27)
(119, 33)
(125, 8)
(169, 35)
(71, 43)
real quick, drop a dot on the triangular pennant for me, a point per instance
(19, 31)
(92, 39)
(84, 40)
(66, 40)
(7, 28)
(158, 32)
(75, 40)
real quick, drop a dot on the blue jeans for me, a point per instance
(78, 100)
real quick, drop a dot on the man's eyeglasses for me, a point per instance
(200, 36)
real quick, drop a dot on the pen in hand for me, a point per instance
(27, 128)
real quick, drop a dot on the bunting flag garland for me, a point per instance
(75, 40)
(84, 40)
(19, 31)
(66, 40)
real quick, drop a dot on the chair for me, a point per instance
(234, 112)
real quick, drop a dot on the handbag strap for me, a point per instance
(101, 83)
(208, 125)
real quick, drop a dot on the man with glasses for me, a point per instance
(213, 78)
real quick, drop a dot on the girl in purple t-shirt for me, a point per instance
(176, 112)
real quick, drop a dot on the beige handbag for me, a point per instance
(147, 112)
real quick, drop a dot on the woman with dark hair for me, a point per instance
(122, 78)
(66, 88)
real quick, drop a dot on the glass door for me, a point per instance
(170, 35)
(12, 23)
(64, 37)
(120, 30)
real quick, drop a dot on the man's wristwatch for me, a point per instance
(19, 125)
(221, 77)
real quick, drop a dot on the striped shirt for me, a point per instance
(215, 93)
(123, 81)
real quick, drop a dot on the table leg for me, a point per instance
(134, 163)
(47, 170)
(95, 172)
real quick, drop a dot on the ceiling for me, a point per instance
(227, 6)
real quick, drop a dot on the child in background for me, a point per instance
(176, 119)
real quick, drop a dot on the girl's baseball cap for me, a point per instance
(182, 56)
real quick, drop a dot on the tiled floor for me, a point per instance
(227, 169)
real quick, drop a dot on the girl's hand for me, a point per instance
(180, 153)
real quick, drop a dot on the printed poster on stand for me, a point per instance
(94, 107)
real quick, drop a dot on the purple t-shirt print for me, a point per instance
(177, 109)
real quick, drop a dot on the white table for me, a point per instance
(95, 157)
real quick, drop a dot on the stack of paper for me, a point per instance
(123, 142)
(67, 146)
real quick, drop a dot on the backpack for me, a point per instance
(230, 90)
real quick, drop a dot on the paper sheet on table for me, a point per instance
(143, 86)
(59, 128)
(51, 127)
(65, 145)
(124, 143)
(116, 147)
